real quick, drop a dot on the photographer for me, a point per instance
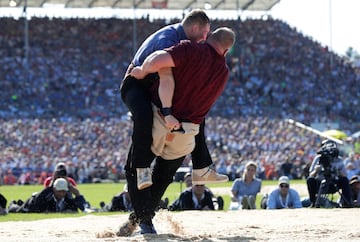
(3, 202)
(61, 172)
(52, 199)
(327, 169)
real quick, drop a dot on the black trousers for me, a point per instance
(3, 201)
(137, 98)
(146, 201)
(200, 155)
(135, 94)
(342, 183)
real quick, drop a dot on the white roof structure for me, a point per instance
(250, 5)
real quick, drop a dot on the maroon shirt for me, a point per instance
(200, 75)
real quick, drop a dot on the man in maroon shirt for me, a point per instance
(192, 77)
(199, 73)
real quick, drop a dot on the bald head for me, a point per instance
(222, 39)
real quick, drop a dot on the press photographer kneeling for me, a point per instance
(327, 173)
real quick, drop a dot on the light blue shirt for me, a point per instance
(241, 188)
(292, 200)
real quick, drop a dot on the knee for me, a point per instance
(165, 178)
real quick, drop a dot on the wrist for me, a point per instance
(165, 111)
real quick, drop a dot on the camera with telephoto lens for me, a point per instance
(328, 153)
(61, 171)
(325, 162)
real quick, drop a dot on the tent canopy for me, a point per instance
(338, 134)
(251, 5)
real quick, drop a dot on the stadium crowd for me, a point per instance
(63, 105)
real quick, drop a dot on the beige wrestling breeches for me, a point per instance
(172, 145)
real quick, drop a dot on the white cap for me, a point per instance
(61, 184)
(284, 180)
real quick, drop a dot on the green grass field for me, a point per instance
(95, 193)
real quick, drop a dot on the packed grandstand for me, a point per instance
(66, 105)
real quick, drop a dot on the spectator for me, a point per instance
(9, 178)
(3, 202)
(53, 199)
(327, 173)
(352, 165)
(120, 202)
(283, 196)
(195, 198)
(26, 178)
(188, 180)
(355, 190)
(218, 201)
(17, 171)
(287, 168)
(60, 171)
(244, 190)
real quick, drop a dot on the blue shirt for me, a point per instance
(241, 188)
(165, 37)
(292, 200)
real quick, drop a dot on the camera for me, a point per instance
(61, 172)
(325, 160)
(328, 153)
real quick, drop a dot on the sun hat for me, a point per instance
(61, 184)
(187, 174)
(354, 179)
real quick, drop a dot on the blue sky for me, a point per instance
(312, 17)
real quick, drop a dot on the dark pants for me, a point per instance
(3, 201)
(146, 201)
(200, 155)
(136, 97)
(342, 183)
(135, 94)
